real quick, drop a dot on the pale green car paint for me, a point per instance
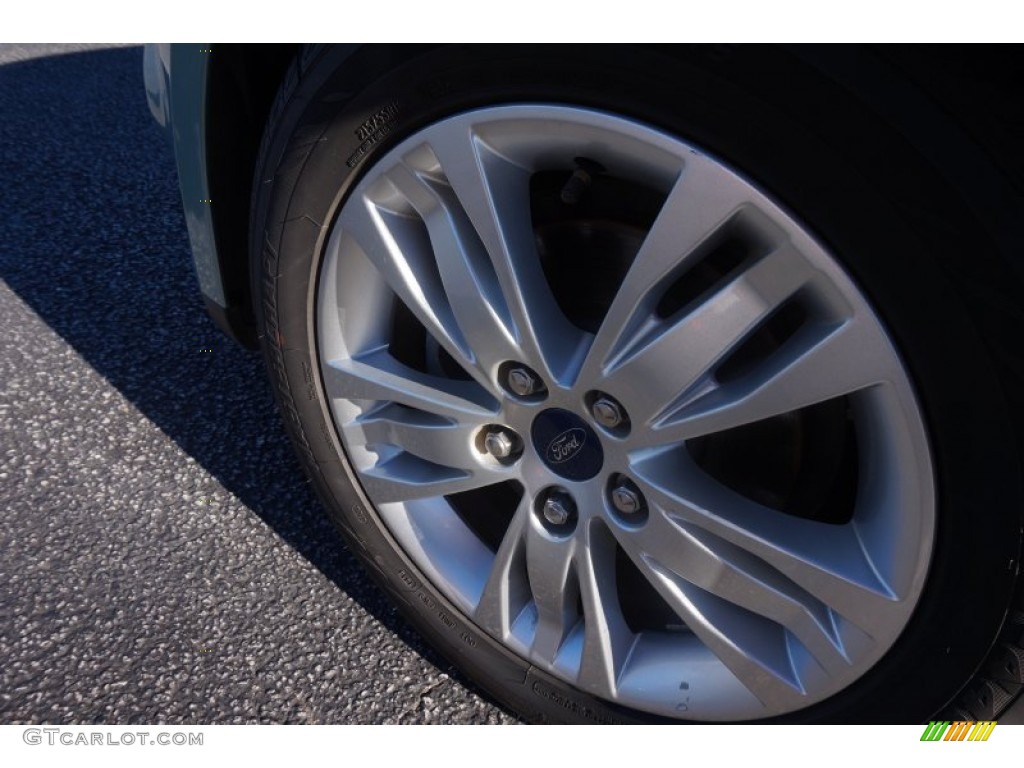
(179, 105)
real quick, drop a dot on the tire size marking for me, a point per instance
(359, 513)
(324, 433)
(408, 580)
(372, 130)
(307, 377)
(464, 634)
(569, 704)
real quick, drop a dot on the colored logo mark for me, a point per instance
(958, 730)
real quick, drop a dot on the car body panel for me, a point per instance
(176, 83)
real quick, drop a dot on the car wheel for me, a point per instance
(641, 398)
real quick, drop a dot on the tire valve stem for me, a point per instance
(579, 182)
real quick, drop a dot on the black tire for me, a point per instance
(900, 229)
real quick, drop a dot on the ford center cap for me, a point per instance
(565, 443)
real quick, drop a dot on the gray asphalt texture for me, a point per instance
(162, 558)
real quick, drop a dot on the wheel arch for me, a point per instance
(243, 80)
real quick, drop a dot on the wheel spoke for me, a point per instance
(427, 436)
(826, 561)
(558, 571)
(468, 279)
(669, 545)
(506, 592)
(821, 362)
(752, 647)
(606, 639)
(394, 244)
(494, 192)
(554, 585)
(378, 376)
(672, 358)
(697, 207)
(405, 477)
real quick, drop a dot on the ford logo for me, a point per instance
(566, 445)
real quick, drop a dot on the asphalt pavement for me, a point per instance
(162, 558)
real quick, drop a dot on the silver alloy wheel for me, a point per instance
(598, 480)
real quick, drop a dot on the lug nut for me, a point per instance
(522, 381)
(607, 412)
(499, 444)
(626, 498)
(558, 509)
